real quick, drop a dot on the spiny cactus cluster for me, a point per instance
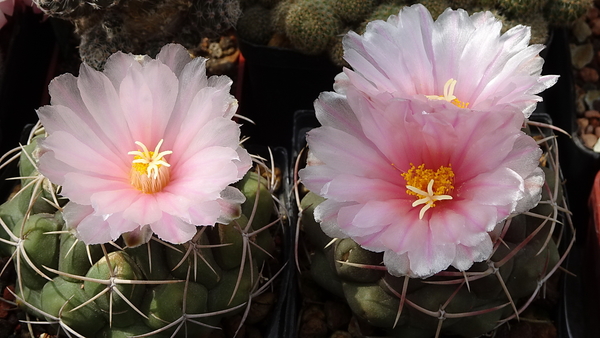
(156, 289)
(528, 252)
(314, 27)
(141, 26)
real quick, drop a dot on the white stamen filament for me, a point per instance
(429, 198)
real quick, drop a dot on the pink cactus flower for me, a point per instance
(428, 190)
(147, 145)
(457, 60)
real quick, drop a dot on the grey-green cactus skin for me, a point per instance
(450, 303)
(155, 289)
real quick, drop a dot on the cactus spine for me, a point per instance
(156, 289)
(465, 304)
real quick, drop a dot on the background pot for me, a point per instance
(277, 82)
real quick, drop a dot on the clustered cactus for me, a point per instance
(466, 304)
(156, 289)
(141, 26)
(315, 27)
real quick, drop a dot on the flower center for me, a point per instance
(449, 95)
(149, 169)
(428, 185)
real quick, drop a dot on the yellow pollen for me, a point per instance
(149, 169)
(449, 95)
(428, 185)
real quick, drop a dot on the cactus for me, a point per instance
(521, 8)
(140, 26)
(155, 289)
(255, 25)
(310, 25)
(466, 304)
(436, 7)
(278, 15)
(353, 10)
(565, 12)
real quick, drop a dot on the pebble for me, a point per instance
(581, 30)
(582, 123)
(338, 315)
(592, 13)
(595, 26)
(589, 140)
(581, 55)
(591, 97)
(341, 334)
(591, 114)
(313, 328)
(588, 74)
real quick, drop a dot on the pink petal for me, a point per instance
(173, 230)
(91, 229)
(144, 210)
(147, 98)
(176, 57)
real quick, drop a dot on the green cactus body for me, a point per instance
(437, 7)
(520, 8)
(311, 24)
(255, 25)
(278, 15)
(114, 291)
(565, 12)
(353, 10)
(466, 304)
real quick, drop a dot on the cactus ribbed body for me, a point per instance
(353, 10)
(310, 25)
(463, 304)
(564, 12)
(255, 25)
(110, 290)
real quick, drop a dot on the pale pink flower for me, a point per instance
(457, 60)
(147, 145)
(426, 189)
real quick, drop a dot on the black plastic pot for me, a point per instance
(276, 83)
(282, 321)
(579, 164)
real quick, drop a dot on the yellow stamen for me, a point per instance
(429, 185)
(149, 169)
(449, 95)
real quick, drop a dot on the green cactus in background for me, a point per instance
(436, 7)
(156, 289)
(313, 26)
(453, 303)
(141, 26)
(565, 12)
(255, 25)
(310, 24)
(278, 15)
(353, 10)
(521, 8)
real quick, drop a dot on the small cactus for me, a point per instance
(353, 10)
(255, 25)
(565, 12)
(310, 25)
(521, 8)
(154, 289)
(140, 26)
(466, 304)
